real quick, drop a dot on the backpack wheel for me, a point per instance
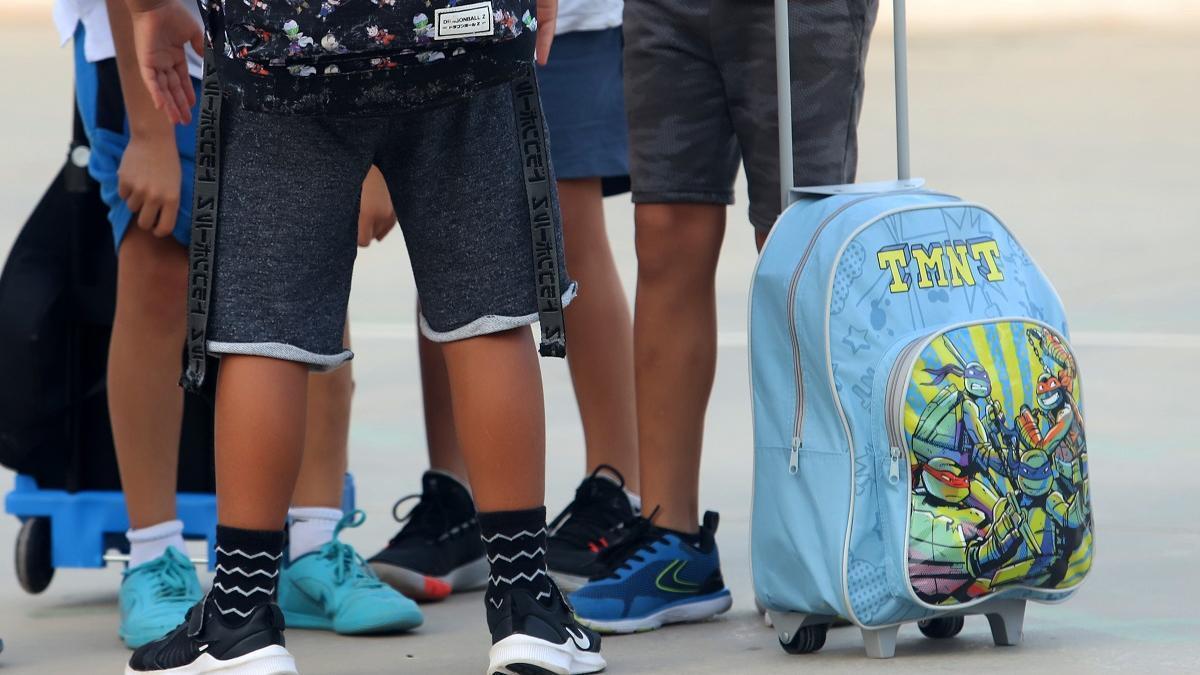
(941, 629)
(806, 640)
(35, 567)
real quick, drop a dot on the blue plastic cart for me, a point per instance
(61, 529)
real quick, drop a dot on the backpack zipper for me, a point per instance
(798, 422)
(897, 386)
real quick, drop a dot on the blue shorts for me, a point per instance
(102, 109)
(584, 102)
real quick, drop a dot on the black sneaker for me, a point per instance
(206, 643)
(586, 527)
(538, 635)
(438, 551)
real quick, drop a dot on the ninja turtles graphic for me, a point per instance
(997, 501)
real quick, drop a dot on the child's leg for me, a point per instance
(474, 266)
(675, 347)
(601, 334)
(440, 437)
(496, 391)
(326, 437)
(260, 420)
(317, 500)
(146, 407)
(144, 398)
(437, 550)
(350, 600)
(284, 258)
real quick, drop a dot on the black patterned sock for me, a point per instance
(247, 569)
(516, 549)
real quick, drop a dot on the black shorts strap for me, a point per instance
(204, 225)
(546, 244)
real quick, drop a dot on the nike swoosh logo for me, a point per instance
(316, 595)
(582, 641)
(675, 584)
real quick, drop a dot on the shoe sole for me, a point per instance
(422, 588)
(273, 660)
(310, 622)
(520, 654)
(695, 610)
(568, 583)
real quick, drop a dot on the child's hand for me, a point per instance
(149, 182)
(376, 217)
(160, 30)
(547, 17)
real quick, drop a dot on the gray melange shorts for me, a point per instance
(700, 93)
(288, 214)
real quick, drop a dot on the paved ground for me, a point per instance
(1086, 142)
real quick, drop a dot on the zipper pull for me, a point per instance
(794, 458)
(894, 474)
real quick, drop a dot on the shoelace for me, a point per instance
(637, 539)
(428, 519)
(348, 565)
(171, 578)
(586, 522)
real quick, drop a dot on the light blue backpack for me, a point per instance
(919, 450)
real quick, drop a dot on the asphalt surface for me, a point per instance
(1084, 141)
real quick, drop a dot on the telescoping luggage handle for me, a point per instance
(789, 191)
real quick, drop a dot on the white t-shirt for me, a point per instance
(98, 42)
(577, 15)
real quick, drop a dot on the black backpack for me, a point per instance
(57, 294)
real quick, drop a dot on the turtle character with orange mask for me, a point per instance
(1056, 425)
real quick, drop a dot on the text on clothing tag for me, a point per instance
(464, 21)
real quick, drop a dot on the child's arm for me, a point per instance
(547, 18)
(150, 173)
(160, 30)
(376, 216)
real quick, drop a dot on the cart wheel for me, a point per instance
(940, 629)
(806, 640)
(34, 564)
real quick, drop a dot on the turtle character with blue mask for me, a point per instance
(955, 424)
(1046, 518)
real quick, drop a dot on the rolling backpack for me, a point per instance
(362, 58)
(919, 446)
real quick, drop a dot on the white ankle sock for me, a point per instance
(311, 527)
(148, 543)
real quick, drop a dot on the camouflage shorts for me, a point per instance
(700, 94)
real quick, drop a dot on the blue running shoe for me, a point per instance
(334, 589)
(656, 577)
(155, 596)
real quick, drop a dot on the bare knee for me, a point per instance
(678, 242)
(152, 281)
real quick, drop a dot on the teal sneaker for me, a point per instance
(155, 596)
(334, 589)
